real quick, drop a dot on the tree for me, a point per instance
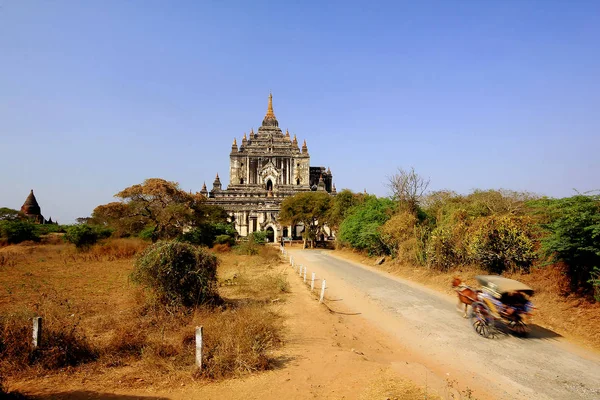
(341, 205)
(573, 227)
(8, 214)
(158, 207)
(309, 208)
(408, 187)
(362, 227)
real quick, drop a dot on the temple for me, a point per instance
(31, 209)
(267, 167)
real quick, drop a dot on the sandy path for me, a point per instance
(434, 335)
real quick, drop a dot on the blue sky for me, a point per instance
(98, 95)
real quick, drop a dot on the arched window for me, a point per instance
(241, 181)
(269, 185)
(298, 181)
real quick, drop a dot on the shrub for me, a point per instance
(397, 230)
(207, 234)
(178, 273)
(18, 231)
(239, 341)
(360, 229)
(573, 235)
(225, 239)
(595, 282)
(501, 243)
(259, 237)
(248, 247)
(83, 236)
(441, 250)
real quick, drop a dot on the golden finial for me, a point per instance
(244, 135)
(252, 132)
(304, 144)
(287, 133)
(234, 142)
(270, 112)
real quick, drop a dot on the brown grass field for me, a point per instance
(93, 313)
(569, 315)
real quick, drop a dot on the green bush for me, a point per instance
(259, 237)
(206, 234)
(83, 236)
(501, 243)
(18, 231)
(573, 234)
(360, 229)
(178, 273)
(225, 239)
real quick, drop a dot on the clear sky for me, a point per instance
(96, 96)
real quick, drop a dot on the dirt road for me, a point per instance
(433, 334)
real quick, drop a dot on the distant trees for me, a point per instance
(159, 209)
(309, 208)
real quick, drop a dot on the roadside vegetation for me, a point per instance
(551, 244)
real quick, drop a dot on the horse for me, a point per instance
(466, 295)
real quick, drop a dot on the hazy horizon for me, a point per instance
(100, 96)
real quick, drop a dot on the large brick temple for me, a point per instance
(266, 168)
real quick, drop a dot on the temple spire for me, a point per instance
(270, 112)
(270, 119)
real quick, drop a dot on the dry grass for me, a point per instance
(568, 315)
(117, 331)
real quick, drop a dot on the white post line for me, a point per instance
(199, 330)
(37, 332)
(312, 282)
(322, 291)
(304, 274)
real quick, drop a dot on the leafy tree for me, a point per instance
(178, 273)
(573, 234)
(361, 229)
(16, 231)
(309, 208)
(341, 205)
(159, 208)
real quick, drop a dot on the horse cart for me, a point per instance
(501, 302)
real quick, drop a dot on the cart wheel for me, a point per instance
(519, 328)
(482, 320)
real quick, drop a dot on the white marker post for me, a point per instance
(300, 270)
(304, 274)
(37, 332)
(322, 291)
(312, 282)
(199, 330)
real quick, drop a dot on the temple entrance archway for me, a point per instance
(270, 234)
(269, 185)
